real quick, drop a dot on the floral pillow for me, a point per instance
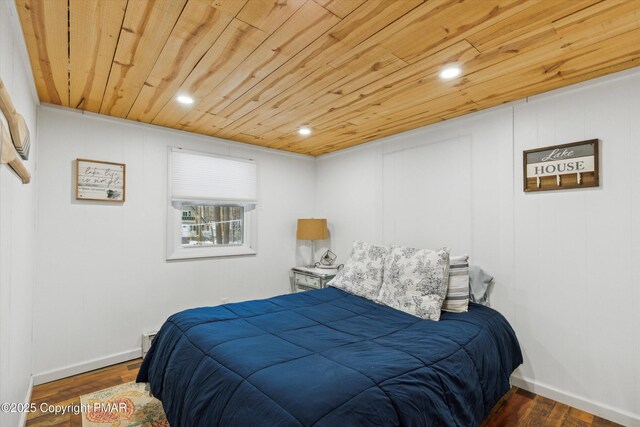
(362, 273)
(415, 281)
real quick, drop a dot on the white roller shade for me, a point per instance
(200, 178)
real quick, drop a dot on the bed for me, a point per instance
(329, 358)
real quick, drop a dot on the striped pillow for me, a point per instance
(457, 299)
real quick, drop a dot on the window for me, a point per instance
(212, 225)
(212, 201)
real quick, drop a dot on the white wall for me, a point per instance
(17, 229)
(102, 274)
(436, 178)
(564, 262)
(576, 252)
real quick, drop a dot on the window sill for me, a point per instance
(199, 252)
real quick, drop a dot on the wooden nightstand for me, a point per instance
(306, 279)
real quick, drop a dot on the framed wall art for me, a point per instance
(100, 181)
(560, 167)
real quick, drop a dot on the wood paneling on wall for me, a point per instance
(353, 70)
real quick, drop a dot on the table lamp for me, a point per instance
(312, 229)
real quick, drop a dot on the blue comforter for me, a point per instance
(328, 358)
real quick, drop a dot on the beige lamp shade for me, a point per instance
(312, 229)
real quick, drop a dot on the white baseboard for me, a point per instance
(27, 400)
(89, 365)
(600, 409)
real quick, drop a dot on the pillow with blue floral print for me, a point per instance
(415, 281)
(362, 273)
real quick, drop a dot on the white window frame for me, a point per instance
(175, 249)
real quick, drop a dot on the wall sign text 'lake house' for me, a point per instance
(560, 167)
(100, 181)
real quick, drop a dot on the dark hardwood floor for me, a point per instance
(522, 408)
(67, 391)
(517, 408)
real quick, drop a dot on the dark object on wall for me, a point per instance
(559, 167)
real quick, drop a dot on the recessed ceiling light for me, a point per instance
(450, 72)
(304, 130)
(183, 99)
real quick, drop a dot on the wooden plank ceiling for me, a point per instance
(352, 70)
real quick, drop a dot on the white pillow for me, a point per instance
(362, 273)
(457, 299)
(415, 281)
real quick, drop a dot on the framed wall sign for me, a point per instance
(560, 167)
(100, 181)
